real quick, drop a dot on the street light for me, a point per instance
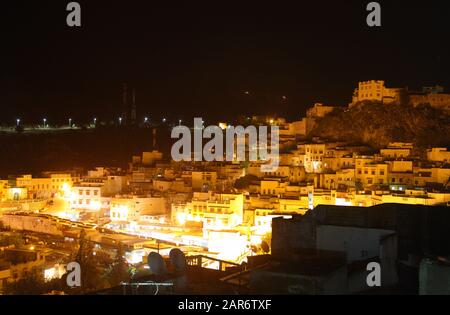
(45, 122)
(70, 122)
(95, 121)
(18, 121)
(120, 120)
(145, 119)
(164, 120)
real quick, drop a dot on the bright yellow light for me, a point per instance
(255, 240)
(122, 212)
(223, 126)
(181, 218)
(49, 274)
(315, 166)
(16, 190)
(66, 190)
(65, 187)
(96, 205)
(219, 224)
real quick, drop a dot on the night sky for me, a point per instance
(191, 58)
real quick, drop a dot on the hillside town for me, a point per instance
(218, 213)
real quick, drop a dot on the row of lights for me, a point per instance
(44, 120)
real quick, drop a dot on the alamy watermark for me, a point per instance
(74, 17)
(373, 279)
(73, 279)
(242, 144)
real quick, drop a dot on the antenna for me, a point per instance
(133, 107)
(125, 102)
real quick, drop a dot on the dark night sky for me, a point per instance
(189, 58)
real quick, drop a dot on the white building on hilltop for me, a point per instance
(375, 90)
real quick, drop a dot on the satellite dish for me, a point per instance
(156, 264)
(178, 260)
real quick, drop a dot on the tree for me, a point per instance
(119, 271)
(15, 239)
(91, 275)
(244, 182)
(32, 284)
(266, 241)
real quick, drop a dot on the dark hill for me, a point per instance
(377, 125)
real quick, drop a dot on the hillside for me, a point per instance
(377, 125)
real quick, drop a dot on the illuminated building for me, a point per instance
(38, 188)
(273, 186)
(3, 189)
(433, 96)
(94, 192)
(16, 194)
(132, 208)
(314, 154)
(374, 173)
(88, 197)
(150, 158)
(214, 210)
(46, 187)
(229, 245)
(438, 155)
(430, 175)
(319, 110)
(376, 91)
(397, 150)
(204, 180)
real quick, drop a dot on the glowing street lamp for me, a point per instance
(17, 121)
(180, 121)
(145, 119)
(95, 121)
(164, 120)
(70, 122)
(45, 122)
(120, 120)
